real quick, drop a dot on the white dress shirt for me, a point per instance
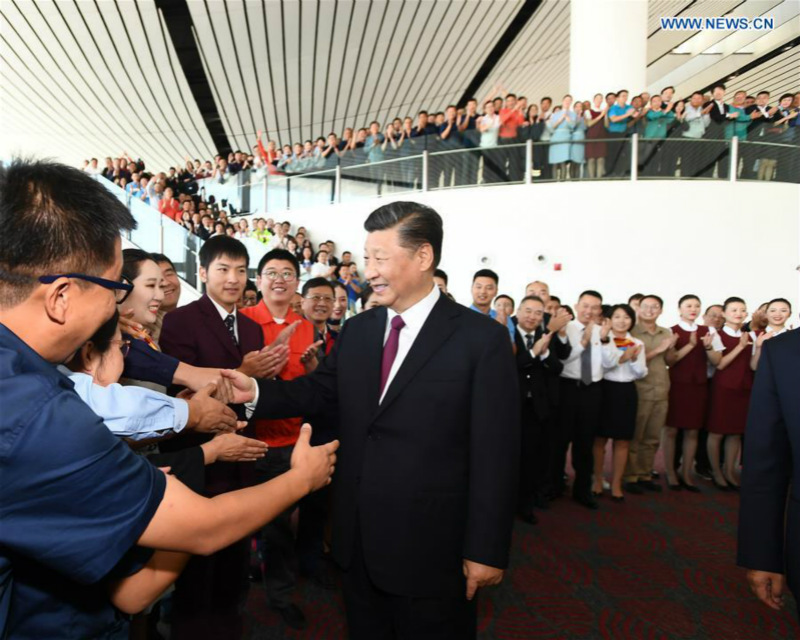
(414, 317)
(572, 365)
(224, 313)
(627, 371)
(785, 329)
(319, 270)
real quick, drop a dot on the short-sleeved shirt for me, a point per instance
(283, 432)
(655, 385)
(75, 501)
(510, 121)
(620, 126)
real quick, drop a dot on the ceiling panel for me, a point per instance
(779, 75)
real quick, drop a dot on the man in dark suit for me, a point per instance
(769, 514)
(429, 417)
(211, 333)
(536, 355)
(718, 112)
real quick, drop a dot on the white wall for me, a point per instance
(714, 239)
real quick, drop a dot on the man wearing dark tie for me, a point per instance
(769, 513)
(536, 353)
(429, 421)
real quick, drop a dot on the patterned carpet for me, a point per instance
(658, 567)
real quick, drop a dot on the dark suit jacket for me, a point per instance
(769, 529)
(533, 373)
(195, 334)
(428, 476)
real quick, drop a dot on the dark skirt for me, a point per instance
(618, 419)
(729, 407)
(688, 405)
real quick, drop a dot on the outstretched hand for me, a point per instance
(768, 587)
(315, 465)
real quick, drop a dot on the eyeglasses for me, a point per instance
(318, 299)
(124, 346)
(287, 276)
(121, 289)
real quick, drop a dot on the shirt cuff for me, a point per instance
(564, 339)
(250, 407)
(545, 355)
(181, 416)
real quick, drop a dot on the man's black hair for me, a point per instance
(503, 295)
(218, 246)
(653, 296)
(317, 282)
(635, 297)
(556, 299)
(440, 273)
(279, 254)
(527, 299)
(249, 285)
(417, 225)
(54, 219)
(591, 292)
(160, 257)
(486, 273)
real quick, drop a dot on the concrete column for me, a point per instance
(608, 47)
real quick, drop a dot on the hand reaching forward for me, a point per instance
(768, 587)
(244, 387)
(480, 575)
(208, 415)
(309, 357)
(315, 465)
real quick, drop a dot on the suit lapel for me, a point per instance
(373, 338)
(434, 333)
(217, 327)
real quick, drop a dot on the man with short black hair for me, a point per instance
(484, 290)
(64, 550)
(318, 297)
(440, 278)
(427, 399)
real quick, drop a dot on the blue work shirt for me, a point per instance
(75, 501)
(493, 315)
(137, 413)
(622, 125)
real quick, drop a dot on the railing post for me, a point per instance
(425, 170)
(198, 283)
(337, 185)
(266, 187)
(529, 161)
(635, 156)
(733, 167)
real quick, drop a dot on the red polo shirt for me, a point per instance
(283, 432)
(510, 121)
(172, 209)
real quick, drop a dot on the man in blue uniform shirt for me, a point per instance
(76, 501)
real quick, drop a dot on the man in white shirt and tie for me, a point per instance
(429, 422)
(581, 393)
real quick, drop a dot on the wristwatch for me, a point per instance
(605, 340)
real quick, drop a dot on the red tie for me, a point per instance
(390, 350)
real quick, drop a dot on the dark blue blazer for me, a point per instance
(428, 477)
(769, 528)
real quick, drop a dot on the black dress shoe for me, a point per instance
(689, 487)
(633, 487)
(704, 473)
(586, 501)
(528, 516)
(649, 485)
(292, 616)
(721, 487)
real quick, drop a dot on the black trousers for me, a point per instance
(515, 158)
(277, 539)
(373, 614)
(311, 531)
(579, 416)
(534, 455)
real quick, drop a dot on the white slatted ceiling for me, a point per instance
(658, 9)
(779, 75)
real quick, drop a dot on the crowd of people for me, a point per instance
(160, 389)
(585, 139)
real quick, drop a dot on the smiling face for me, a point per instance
(620, 322)
(540, 290)
(649, 309)
(225, 279)
(277, 282)
(483, 291)
(317, 305)
(735, 314)
(400, 277)
(147, 294)
(778, 313)
(588, 308)
(713, 317)
(172, 286)
(339, 303)
(530, 315)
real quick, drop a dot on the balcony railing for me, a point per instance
(629, 158)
